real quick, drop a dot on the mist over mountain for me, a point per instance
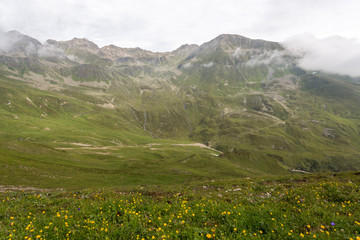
(232, 106)
(333, 54)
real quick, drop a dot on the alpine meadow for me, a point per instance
(230, 139)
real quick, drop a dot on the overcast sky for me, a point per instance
(164, 25)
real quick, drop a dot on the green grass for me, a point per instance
(301, 207)
(118, 125)
(40, 135)
(220, 106)
(74, 166)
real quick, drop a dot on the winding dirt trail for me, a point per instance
(88, 146)
(198, 145)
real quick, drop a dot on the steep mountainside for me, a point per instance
(71, 111)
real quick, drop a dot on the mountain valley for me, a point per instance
(73, 114)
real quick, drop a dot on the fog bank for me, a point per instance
(332, 54)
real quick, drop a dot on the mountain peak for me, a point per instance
(19, 36)
(230, 37)
(76, 44)
(114, 52)
(13, 32)
(83, 42)
(233, 41)
(17, 43)
(186, 47)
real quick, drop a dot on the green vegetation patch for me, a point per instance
(302, 207)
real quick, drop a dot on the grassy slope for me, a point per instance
(307, 207)
(40, 130)
(297, 138)
(222, 106)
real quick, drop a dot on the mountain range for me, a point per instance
(76, 114)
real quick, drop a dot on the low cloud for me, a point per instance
(187, 65)
(7, 41)
(333, 54)
(16, 42)
(255, 57)
(268, 58)
(48, 50)
(207, 65)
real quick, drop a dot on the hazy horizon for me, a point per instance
(165, 25)
(321, 33)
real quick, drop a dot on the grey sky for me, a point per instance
(164, 25)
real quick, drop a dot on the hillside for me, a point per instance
(77, 115)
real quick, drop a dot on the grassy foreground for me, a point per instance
(301, 207)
